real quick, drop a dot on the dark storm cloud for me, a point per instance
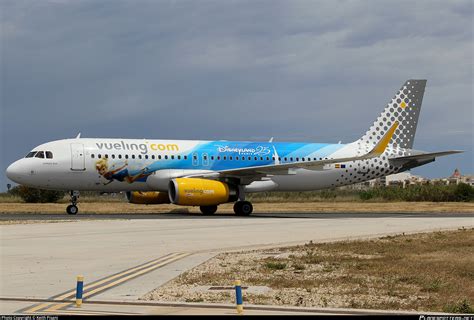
(296, 70)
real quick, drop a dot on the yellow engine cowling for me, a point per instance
(200, 192)
(150, 197)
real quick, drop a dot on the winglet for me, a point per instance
(78, 136)
(383, 143)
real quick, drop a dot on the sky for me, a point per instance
(312, 71)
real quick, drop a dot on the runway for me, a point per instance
(172, 215)
(42, 260)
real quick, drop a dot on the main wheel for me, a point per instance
(72, 209)
(243, 208)
(208, 210)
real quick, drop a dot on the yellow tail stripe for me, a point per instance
(383, 143)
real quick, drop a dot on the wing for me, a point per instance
(288, 168)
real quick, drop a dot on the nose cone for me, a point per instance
(15, 171)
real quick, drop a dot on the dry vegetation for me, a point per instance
(118, 207)
(424, 272)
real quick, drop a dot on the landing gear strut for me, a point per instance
(242, 207)
(72, 208)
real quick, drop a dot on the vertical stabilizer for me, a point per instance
(404, 108)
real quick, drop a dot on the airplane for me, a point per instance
(210, 173)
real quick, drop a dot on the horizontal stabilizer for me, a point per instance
(425, 156)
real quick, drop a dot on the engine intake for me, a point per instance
(200, 192)
(150, 197)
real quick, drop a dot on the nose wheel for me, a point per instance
(72, 208)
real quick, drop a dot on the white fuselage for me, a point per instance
(112, 165)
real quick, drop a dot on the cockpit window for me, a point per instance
(31, 154)
(40, 154)
(49, 155)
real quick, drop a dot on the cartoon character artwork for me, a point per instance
(121, 173)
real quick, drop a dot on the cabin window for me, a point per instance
(297, 159)
(99, 156)
(279, 158)
(179, 157)
(159, 157)
(225, 157)
(250, 158)
(113, 156)
(286, 159)
(166, 157)
(195, 157)
(172, 157)
(146, 157)
(153, 156)
(185, 157)
(139, 156)
(268, 158)
(230, 157)
(236, 158)
(212, 157)
(133, 156)
(291, 158)
(218, 157)
(126, 156)
(120, 156)
(92, 156)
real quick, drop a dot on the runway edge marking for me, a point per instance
(103, 284)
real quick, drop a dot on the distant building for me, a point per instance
(457, 178)
(404, 179)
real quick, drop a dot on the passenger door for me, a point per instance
(77, 157)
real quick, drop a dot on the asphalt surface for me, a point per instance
(151, 216)
(124, 256)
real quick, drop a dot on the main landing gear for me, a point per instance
(243, 208)
(208, 210)
(72, 208)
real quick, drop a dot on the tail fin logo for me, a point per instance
(403, 108)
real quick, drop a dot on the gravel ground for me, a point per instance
(339, 277)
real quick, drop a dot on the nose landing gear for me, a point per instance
(72, 208)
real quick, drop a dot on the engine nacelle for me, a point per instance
(150, 197)
(200, 192)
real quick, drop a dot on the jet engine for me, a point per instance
(200, 192)
(150, 197)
